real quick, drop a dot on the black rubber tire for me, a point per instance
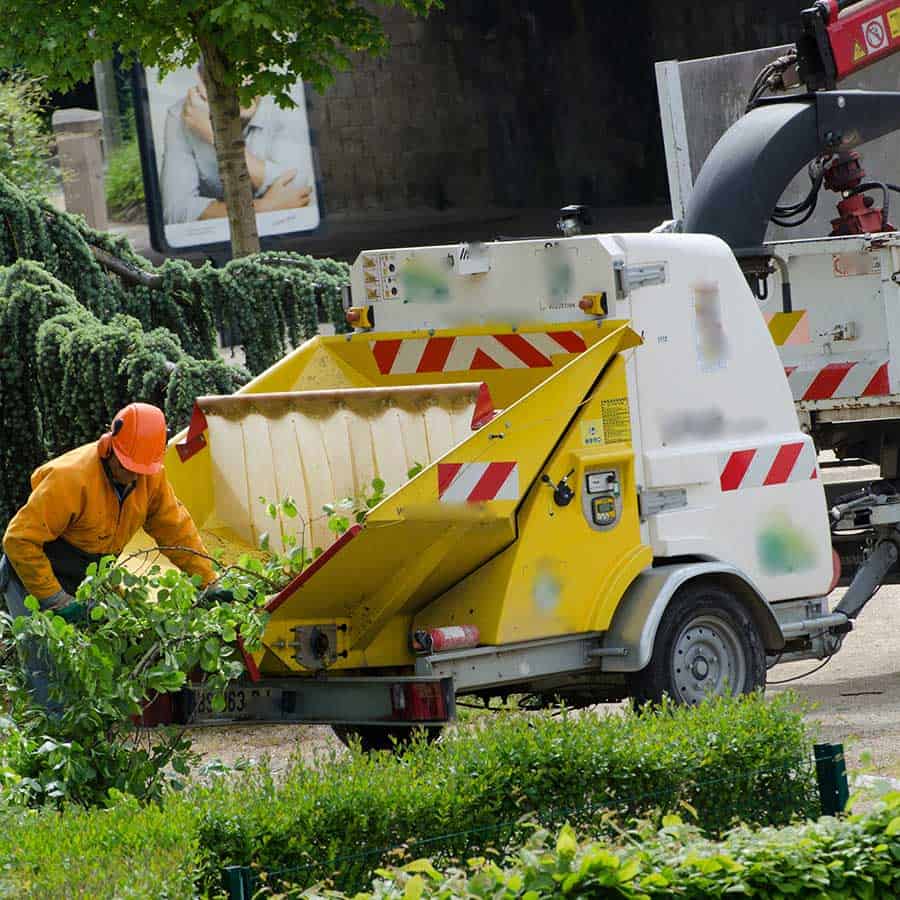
(383, 737)
(699, 603)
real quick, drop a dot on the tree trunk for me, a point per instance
(225, 116)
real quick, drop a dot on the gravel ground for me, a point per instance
(857, 694)
(233, 743)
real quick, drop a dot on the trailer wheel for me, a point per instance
(707, 645)
(383, 737)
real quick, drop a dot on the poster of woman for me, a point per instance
(279, 160)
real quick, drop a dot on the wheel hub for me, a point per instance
(700, 668)
(708, 659)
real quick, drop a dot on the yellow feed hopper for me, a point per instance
(472, 538)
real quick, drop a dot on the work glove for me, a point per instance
(215, 593)
(65, 606)
(75, 612)
(56, 602)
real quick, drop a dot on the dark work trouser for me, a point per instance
(37, 666)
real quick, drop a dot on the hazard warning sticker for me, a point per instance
(894, 21)
(616, 420)
(858, 52)
(875, 34)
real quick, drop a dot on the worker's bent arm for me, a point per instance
(171, 525)
(54, 503)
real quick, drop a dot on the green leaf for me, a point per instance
(566, 843)
(338, 524)
(414, 889)
(628, 871)
(378, 485)
(424, 866)
(264, 541)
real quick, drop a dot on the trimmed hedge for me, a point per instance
(728, 760)
(744, 758)
(854, 857)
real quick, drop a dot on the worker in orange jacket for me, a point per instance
(89, 503)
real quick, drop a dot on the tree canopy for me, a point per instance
(268, 44)
(250, 48)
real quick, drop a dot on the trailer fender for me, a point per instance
(637, 617)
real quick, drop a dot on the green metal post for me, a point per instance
(237, 882)
(831, 773)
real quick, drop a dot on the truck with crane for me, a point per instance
(614, 485)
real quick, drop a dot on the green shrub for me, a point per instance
(125, 851)
(743, 759)
(125, 183)
(25, 143)
(136, 637)
(854, 857)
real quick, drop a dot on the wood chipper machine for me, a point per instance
(610, 495)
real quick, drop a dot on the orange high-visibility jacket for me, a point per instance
(72, 498)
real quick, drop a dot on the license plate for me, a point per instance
(241, 704)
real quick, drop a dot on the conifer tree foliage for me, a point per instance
(79, 342)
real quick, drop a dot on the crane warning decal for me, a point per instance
(839, 380)
(612, 427)
(477, 482)
(768, 465)
(470, 352)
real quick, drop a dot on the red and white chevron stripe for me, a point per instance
(469, 352)
(768, 465)
(839, 380)
(477, 482)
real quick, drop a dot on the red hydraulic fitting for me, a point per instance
(858, 213)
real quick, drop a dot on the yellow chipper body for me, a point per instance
(499, 406)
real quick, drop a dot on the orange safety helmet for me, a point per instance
(138, 438)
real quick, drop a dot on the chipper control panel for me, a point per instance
(602, 498)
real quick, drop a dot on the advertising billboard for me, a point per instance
(185, 199)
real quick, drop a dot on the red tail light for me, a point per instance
(414, 702)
